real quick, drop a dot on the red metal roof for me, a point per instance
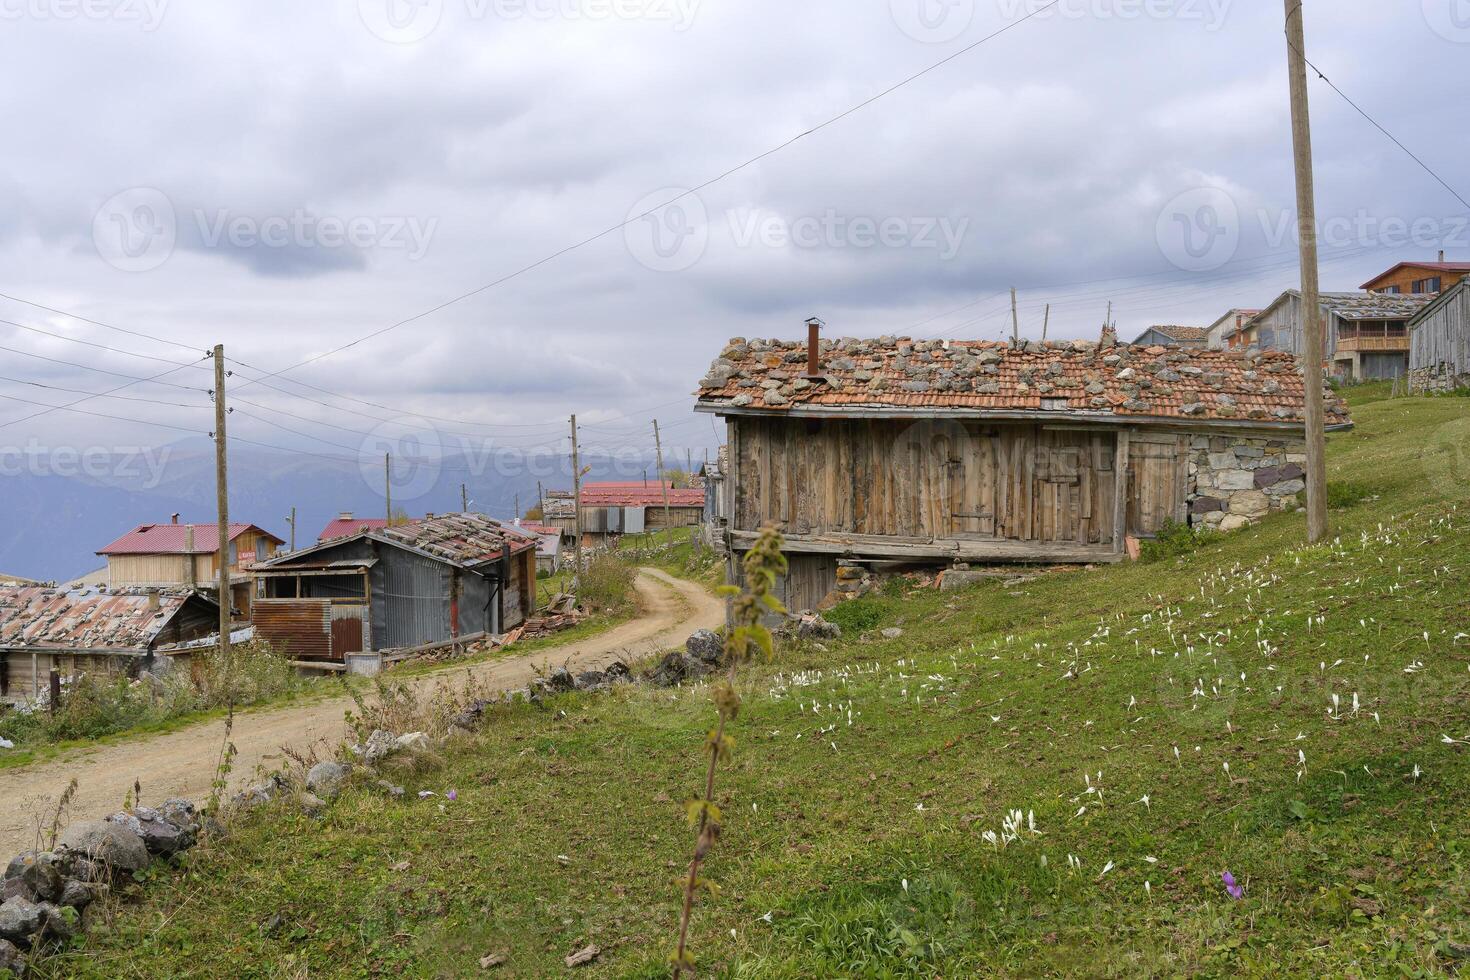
(169, 539)
(340, 527)
(1431, 266)
(1077, 378)
(636, 493)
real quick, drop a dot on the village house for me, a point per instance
(346, 523)
(1225, 332)
(548, 545)
(174, 555)
(870, 451)
(15, 580)
(423, 582)
(90, 631)
(1170, 335)
(716, 497)
(613, 508)
(1418, 278)
(1439, 342)
(1366, 334)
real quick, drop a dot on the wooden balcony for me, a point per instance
(1372, 344)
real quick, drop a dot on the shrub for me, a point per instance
(1174, 539)
(606, 582)
(856, 615)
(1345, 493)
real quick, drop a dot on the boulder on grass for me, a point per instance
(11, 961)
(20, 921)
(817, 628)
(108, 844)
(705, 646)
(326, 779)
(413, 742)
(379, 746)
(157, 834)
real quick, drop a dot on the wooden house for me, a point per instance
(1418, 278)
(969, 451)
(1439, 342)
(1171, 335)
(186, 556)
(1366, 334)
(610, 509)
(74, 632)
(455, 576)
(1225, 332)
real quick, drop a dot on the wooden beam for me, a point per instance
(883, 547)
(1120, 489)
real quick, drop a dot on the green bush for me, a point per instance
(856, 616)
(1174, 539)
(607, 581)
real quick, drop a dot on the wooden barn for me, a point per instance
(893, 450)
(454, 576)
(1439, 342)
(1366, 334)
(90, 630)
(186, 556)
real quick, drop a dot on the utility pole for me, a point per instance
(577, 495)
(292, 521)
(541, 501)
(658, 448)
(518, 506)
(464, 499)
(222, 500)
(1015, 321)
(1306, 218)
(1108, 318)
(1045, 322)
(388, 487)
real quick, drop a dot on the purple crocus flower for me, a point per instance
(1235, 891)
(451, 795)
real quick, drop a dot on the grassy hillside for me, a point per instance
(1277, 711)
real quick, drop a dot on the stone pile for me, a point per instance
(46, 893)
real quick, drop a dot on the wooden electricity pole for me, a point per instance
(577, 496)
(464, 499)
(222, 501)
(1015, 321)
(292, 521)
(658, 448)
(1045, 322)
(388, 487)
(1306, 217)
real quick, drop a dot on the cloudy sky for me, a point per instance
(287, 178)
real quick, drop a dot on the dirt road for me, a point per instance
(182, 763)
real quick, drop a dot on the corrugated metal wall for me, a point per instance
(410, 600)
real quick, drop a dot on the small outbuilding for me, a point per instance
(1439, 342)
(435, 580)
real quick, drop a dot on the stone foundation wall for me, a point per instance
(1438, 377)
(1237, 480)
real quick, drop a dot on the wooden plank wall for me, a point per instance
(1443, 337)
(1157, 491)
(926, 480)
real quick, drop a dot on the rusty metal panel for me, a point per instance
(299, 629)
(348, 623)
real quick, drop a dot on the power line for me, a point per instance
(98, 370)
(97, 394)
(89, 343)
(99, 415)
(71, 406)
(98, 323)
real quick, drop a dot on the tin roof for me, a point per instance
(33, 616)
(986, 379)
(637, 493)
(170, 539)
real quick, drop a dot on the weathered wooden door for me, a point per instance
(1157, 466)
(347, 629)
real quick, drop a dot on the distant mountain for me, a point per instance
(55, 517)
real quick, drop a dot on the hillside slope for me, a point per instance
(1291, 715)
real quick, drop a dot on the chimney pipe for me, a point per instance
(344, 515)
(813, 345)
(153, 600)
(1441, 256)
(175, 517)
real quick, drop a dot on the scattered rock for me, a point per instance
(817, 628)
(63, 923)
(394, 791)
(379, 746)
(326, 779)
(592, 680)
(492, 961)
(10, 959)
(584, 955)
(20, 920)
(76, 894)
(311, 804)
(116, 848)
(705, 645)
(42, 879)
(891, 633)
(183, 815)
(157, 834)
(413, 742)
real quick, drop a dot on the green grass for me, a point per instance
(855, 843)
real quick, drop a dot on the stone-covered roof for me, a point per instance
(1376, 306)
(984, 378)
(1185, 335)
(46, 618)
